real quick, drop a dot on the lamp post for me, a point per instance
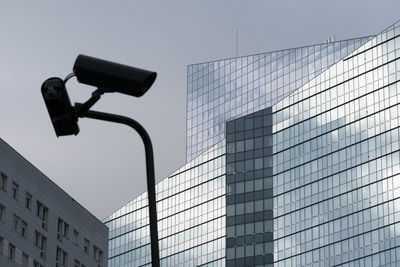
(107, 77)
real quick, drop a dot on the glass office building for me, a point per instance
(294, 161)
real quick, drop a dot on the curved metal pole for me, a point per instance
(155, 257)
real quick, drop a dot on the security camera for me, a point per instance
(113, 77)
(59, 106)
(105, 75)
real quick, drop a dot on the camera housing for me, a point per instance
(58, 104)
(112, 76)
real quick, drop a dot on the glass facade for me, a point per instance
(294, 162)
(191, 213)
(336, 163)
(222, 90)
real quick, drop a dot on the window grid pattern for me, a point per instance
(191, 218)
(336, 162)
(227, 89)
(249, 216)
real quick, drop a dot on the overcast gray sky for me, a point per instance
(103, 167)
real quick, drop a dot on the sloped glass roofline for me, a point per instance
(373, 42)
(280, 50)
(222, 90)
(210, 153)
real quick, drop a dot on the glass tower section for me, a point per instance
(336, 163)
(222, 90)
(249, 193)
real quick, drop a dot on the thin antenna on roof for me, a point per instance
(237, 43)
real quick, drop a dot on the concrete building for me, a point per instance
(294, 161)
(40, 224)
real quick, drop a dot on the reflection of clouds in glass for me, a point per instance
(335, 136)
(368, 195)
(361, 151)
(240, 86)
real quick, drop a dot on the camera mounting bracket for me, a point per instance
(82, 109)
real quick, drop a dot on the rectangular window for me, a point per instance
(86, 245)
(60, 225)
(65, 259)
(3, 182)
(25, 260)
(37, 239)
(61, 258)
(66, 230)
(44, 217)
(100, 256)
(16, 220)
(20, 226)
(43, 247)
(95, 253)
(23, 228)
(28, 201)
(1, 245)
(62, 229)
(39, 208)
(2, 213)
(11, 252)
(15, 188)
(42, 212)
(76, 237)
(58, 257)
(41, 243)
